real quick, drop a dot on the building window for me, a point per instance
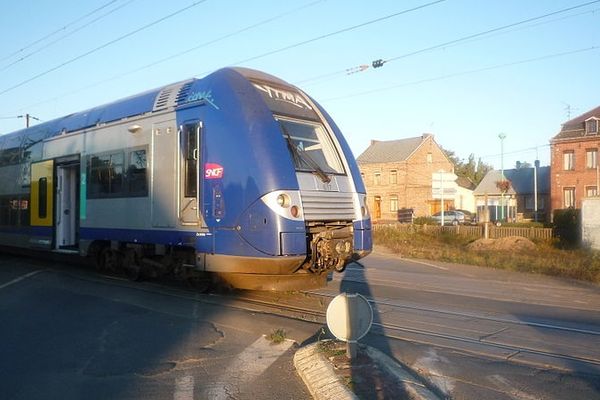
(393, 177)
(591, 158)
(429, 158)
(393, 203)
(591, 191)
(568, 160)
(591, 126)
(377, 178)
(529, 203)
(569, 197)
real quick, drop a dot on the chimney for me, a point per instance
(374, 141)
(426, 135)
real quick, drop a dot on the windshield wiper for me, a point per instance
(301, 155)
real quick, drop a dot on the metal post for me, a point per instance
(351, 349)
(535, 201)
(442, 198)
(502, 136)
(27, 120)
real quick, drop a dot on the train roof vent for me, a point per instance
(184, 91)
(170, 96)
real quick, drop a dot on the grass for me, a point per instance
(582, 264)
(332, 348)
(277, 336)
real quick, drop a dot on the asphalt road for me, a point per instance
(471, 333)
(67, 333)
(482, 333)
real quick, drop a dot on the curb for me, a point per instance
(323, 383)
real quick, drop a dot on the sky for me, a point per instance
(464, 70)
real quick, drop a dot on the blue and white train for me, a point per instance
(238, 174)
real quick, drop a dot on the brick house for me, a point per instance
(398, 174)
(574, 161)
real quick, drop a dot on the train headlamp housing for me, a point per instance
(286, 203)
(360, 205)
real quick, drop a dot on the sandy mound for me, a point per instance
(511, 243)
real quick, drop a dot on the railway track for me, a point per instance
(311, 306)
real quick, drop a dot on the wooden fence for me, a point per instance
(477, 231)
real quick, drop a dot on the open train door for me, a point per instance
(67, 188)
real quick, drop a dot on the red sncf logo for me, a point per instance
(213, 171)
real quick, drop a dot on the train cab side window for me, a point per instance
(190, 150)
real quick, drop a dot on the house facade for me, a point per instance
(518, 203)
(574, 161)
(398, 175)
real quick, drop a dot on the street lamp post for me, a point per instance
(502, 136)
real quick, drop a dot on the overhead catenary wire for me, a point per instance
(344, 30)
(110, 42)
(55, 32)
(449, 43)
(181, 53)
(68, 34)
(462, 73)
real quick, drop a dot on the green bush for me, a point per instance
(567, 225)
(424, 221)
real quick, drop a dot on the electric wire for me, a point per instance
(57, 31)
(110, 42)
(344, 30)
(464, 39)
(68, 34)
(462, 73)
(179, 54)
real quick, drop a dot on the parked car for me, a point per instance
(452, 217)
(470, 218)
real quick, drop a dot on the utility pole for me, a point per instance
(28, 118)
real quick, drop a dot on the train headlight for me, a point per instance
(283, 200)
(295, 211)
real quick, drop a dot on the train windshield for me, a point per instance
(311, 147)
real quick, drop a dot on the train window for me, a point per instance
(118, 174)
(105, 175)
(190, 151)
(136, 173)
(42, 198)
(310, 146)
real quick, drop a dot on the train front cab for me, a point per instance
(318, 224)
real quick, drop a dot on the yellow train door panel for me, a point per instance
(42, 193)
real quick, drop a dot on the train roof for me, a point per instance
(155, 100)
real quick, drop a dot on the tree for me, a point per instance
(471, 169)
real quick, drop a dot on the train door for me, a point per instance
(190, 139)
(163, 182)
(42, 195)
(67, 208)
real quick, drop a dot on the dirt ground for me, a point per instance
(511, 243)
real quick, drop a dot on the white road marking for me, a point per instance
(19, 279)
(246, 367)
(428, 264)
(184, 388)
